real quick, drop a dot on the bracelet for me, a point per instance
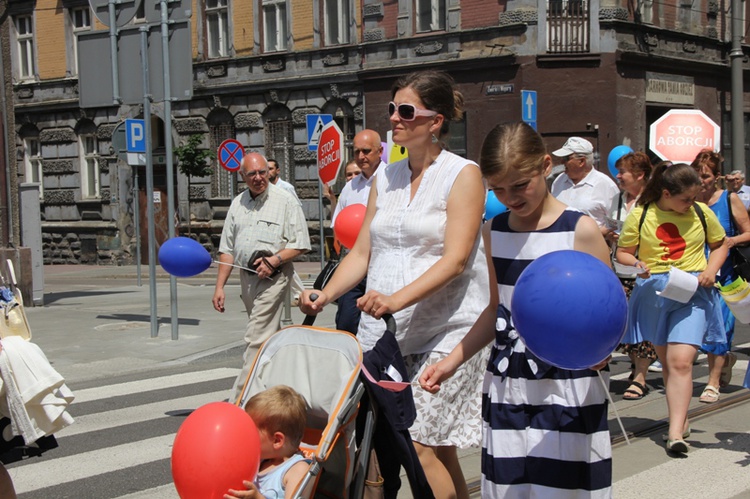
(280, 260)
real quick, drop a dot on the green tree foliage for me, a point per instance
(192, 160)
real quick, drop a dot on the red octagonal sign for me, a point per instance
(681, 134)
(330, 152)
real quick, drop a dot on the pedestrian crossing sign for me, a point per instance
(315, 124)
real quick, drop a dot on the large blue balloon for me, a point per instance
(492, 206)
(614, 156)
(184, 257)
(570, 309)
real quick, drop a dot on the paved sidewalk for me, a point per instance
(96, 320)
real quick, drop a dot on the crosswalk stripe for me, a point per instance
(163, 492)
(38, 475)
(140, 413)
(171, 381)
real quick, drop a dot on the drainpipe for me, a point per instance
(8, 176)
(736, 57)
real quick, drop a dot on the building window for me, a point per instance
(140, 14)
(25, 47)
(274, 25)
(336, 22)
(430, 15)
(220, 128)
(567, 26)
(80, 21)
(89, 160)
(280, 146)
(32, 159)
(217, 28)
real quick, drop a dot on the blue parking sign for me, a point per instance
(135, 136)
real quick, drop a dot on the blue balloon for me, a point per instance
(614, 156)
(184, 257)
(492, 206)
(570, 309)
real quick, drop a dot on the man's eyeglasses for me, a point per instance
(259, 173)
(363, 151)
(408, 112)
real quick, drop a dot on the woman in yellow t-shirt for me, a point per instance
(669, 229)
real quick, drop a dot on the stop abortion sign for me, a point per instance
(330, 152)
(681, 134)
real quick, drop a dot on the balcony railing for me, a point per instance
(567, 26)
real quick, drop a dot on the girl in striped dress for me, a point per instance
(545, 429)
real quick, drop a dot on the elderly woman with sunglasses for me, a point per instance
(420, 247)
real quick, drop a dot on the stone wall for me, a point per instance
(92, 247)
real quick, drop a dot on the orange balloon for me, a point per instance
(216, 448)
(348, 223)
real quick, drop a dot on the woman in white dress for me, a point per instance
(420, 248)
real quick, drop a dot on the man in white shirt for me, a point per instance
(367, 150)
(736, 184)
(275, 178)
(581, 186)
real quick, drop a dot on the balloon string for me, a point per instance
(238, 266)
(614, 407)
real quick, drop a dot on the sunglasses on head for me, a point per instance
(408, 112)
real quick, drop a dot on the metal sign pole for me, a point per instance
(113, 51)
(322, 236)
(137, 216)
(168, 150)
(149, 183)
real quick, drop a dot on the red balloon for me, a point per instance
(348, 223)
(216, 448)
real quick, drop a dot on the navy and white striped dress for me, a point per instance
(545, 429)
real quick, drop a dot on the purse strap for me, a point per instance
(731, 215)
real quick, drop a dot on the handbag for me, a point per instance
(326, 274)
(739, 255)
(374, 480)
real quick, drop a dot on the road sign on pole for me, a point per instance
(315, 124)
(135, 137)
(330, 153)
(124, 11)
(681, 134)
(230, 155)
(528, 107)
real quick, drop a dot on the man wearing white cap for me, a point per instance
(581, 186)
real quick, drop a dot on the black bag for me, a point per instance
(326, 274)
(739, 255)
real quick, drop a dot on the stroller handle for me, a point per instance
(390, 322)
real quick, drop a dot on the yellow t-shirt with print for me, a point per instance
(670, 239)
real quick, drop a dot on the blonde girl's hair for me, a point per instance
(512, 145)
(279, 408)
(676, 179)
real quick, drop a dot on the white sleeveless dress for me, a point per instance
(407, 238)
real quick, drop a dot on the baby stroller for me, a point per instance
(323, 365)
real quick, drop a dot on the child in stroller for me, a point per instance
(280, 414)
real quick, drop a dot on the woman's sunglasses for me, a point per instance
(408, 112)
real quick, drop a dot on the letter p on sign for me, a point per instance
(135, 136)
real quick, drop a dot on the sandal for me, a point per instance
(710, 395)
(685, 435)
(726, 371)
(635, 395)
(677, 446)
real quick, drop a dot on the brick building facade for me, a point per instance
(602, 69)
